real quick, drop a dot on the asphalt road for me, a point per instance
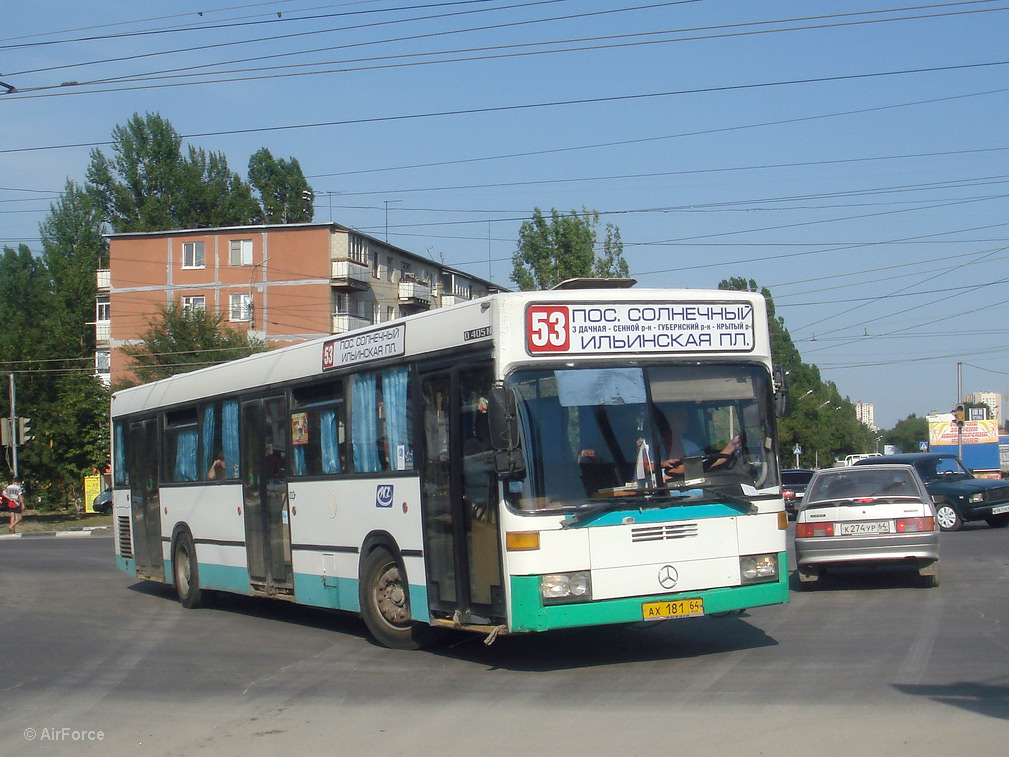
(868, 664)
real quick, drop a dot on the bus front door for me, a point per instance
(145, 504)
(462, 540)
(264, 450)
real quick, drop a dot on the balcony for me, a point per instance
(415, 293)
(344, 322)
(103, 332)
(104, 279)
(349, 274)
(451, 299)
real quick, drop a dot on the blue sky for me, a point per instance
(850, 156)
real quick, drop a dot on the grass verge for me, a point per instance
(36, 522)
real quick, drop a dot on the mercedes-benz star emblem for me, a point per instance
(668, 576)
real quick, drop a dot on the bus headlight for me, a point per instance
(755, 569)
(566, 587)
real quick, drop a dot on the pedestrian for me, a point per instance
(15, 503)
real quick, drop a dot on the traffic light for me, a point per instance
(24, 430)
(958, 415)
(5, 432)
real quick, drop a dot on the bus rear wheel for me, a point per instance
(187, 573)
(385, 600)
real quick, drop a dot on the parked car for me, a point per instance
(865, 516)
(103, 502)
(793, 487)
(957, 495)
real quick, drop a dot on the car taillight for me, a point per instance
(911, 525)
(806, 530)
(788, 494)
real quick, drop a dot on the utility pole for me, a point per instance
(959, 402)
(14, 427)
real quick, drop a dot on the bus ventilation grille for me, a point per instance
(125, 545)
(663, 532)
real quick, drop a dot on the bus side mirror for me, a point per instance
(782, 402)
(502, 412)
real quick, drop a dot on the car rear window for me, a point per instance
(790, 478)
(863, 483)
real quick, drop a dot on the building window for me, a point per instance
(376, 267)
(389, 268)
(359, 250)
(376, 313)
(390, 312)
(102, 364)
(192, 255)
(240, 252)
(241, 307)
(102, 311)
(189, 304)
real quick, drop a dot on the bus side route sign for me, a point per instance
(363, 347)
(639, 327)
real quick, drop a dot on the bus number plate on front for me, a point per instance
(676, 608)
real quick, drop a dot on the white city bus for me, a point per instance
(518, 463)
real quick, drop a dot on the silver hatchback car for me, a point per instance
(866, 515)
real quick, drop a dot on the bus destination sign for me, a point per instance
(363, 347)
(669, 327)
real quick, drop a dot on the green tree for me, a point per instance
(822, 423)
(179, 340)
(72, 249)
(53, 370)
(563, 247)
(149, 185)
(285, 195)
(908, 433)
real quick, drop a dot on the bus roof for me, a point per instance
(467, 324)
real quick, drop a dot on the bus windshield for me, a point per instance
(596, 433)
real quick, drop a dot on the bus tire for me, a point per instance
(385, 600)
(187, 573)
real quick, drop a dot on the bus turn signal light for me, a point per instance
(522, 541)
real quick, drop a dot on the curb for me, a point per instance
(77, 534)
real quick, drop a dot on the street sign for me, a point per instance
(796, 450)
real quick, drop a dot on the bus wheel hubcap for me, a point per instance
(391, 598)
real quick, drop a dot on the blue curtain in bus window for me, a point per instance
(208, 438)
(394, 382)
(185, 455)
(122, 474)
(330, 442)
(298, 460)
(229, 438)
(364, 423)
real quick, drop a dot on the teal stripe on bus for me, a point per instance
(343, 594)
(661, 514)
(529, 613)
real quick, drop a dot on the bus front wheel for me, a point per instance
(385, 600)
(187, 573)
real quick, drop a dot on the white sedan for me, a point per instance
(866, 515)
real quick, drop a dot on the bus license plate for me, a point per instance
(675, 608)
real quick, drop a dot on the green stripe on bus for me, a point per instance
(529, 613)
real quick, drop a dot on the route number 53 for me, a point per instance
(547, 328)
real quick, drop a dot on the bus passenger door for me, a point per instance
(265, 450)
(462, 540)
(145, 504)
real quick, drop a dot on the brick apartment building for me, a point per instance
(285, 283)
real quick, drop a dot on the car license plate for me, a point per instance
(675, 608)
(863, 527)
(1000, 509)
